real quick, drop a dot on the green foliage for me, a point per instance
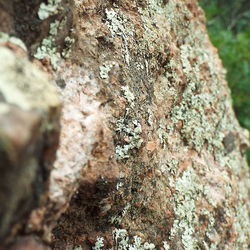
(229, 29)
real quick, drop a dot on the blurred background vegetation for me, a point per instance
(228, 23)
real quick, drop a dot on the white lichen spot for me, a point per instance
(115, 23)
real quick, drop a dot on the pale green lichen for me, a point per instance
(197, 128)
(129, 132)
(105, 69)
(49, 9)
(78, 248)
(120, 183)
(48, 45)
(117, 26)
(128, 95)
(118, 218)
(150, 117)
(209, 229)
(201, 110)
(68, 42)
(170, 167)
(98, 244)
(54, 28)
(122, 241)
(242, 223)
(166, 245)
(48, 49)
(187, 192)
(7, 38)
(162, 134)
(115, 23)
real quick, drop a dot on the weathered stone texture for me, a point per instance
(151, 155)
(29, 129)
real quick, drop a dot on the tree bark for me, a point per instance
(150, 154)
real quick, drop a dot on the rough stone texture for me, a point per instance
(29, 242)
(151, 155)
(29, 128)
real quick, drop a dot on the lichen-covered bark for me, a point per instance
(151, 155)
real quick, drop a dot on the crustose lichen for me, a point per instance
(129, 132)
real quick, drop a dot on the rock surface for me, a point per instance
(29, 128)
(151, 155)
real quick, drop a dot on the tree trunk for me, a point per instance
(150, 153)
